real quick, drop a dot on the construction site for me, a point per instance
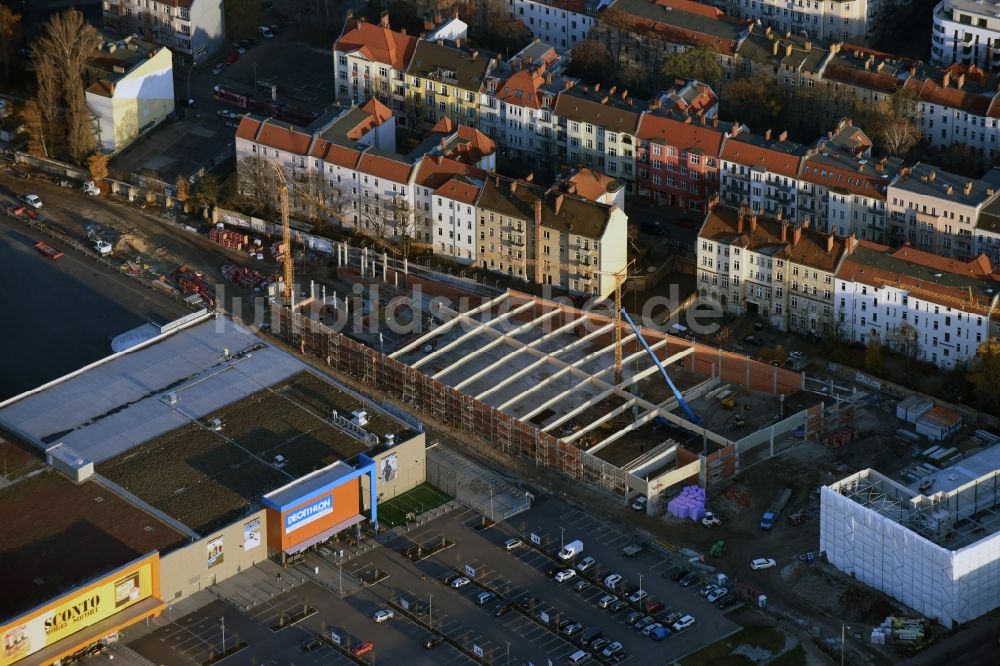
(580, 392)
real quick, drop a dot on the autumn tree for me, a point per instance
(616, 28)
(893, 128)
(699, 62)
(97, 164)
(182, 189)
(756, 101)
(873, 355)
(34, 126)
(10, 26)
(589, 59)
(985, 373)
(59, 55)
(243, 16)
(209, 191)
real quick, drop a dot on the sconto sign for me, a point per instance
(309, 513)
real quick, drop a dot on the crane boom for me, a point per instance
(692, 417)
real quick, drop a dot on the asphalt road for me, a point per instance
(61, 315)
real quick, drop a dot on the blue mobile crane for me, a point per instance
(691, 416)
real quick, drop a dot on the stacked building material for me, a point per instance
(247, 278)
(690, 503)
(234, 240)
(278, 252)
(193, 282)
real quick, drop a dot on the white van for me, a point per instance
(578, 657)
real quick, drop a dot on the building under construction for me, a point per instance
(537, 379)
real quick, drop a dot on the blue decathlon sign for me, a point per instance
(308, 513)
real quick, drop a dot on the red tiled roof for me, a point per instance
(691, 7)
(376, 43)
(931, 91)
(435, 170)
(685, 136)
(589, 184)
(248, 128)
(979, 267)
(383, 167)
(883, 81)
(284, 138)
(379, 111)
(833, 177)
(752, 155)
(333, 154)
(475, 145)
(521, 89)
(102, 88)
(444, 126)
(675, 34)
(455, 189)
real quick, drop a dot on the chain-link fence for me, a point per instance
(474, 485)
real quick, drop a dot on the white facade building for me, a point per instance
(937, 310)
(840, 20)
(562, 23)
(966, 32)
(190, 28)
(939, 555)
(453, 208)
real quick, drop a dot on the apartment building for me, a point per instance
(370, 60)
(841, 20)
(349, 171)
(678, 161)
(761, 172)
(445, 81)
(937, 211)
(193, 30)
(454, 214)
(601, 129)
(562, 23)
(935, 309)
(792, 60)
(780, 272)
(551, 236)
(966, 32)
(517, 105)
(131, 89)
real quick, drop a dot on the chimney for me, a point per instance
(990, 191)
(796, 236)
(946, 79)
(835, 48)
(829, 244)
(597, 87)
(740, 221)
(458, 43)
(442, 143)
(805, 221)
(611, 91)
(788, 50)
(961, 80)
(402, 31)
(784, 232)
(604, 100)
(767, 135)
(513, 186)
(932, 175)
(779, 215)
(715, 121)
(783, 135)
(625, 94)
(530, 177)
(474, 54)
(567, 84)
(548, 78)
(538, 213)
(775, 47)
(880, 66)
(687, 120)
(968, 188)
(559, 201)
(807, 45)
(753, 223)
(850, 242)
(384, 20)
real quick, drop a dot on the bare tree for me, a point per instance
(257, 183)
(34, 125)
(401, 216)
(60, 54)
(893, 127)
(905, 340)
(985, 373)
(10, 26)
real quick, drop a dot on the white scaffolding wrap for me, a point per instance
(869, 528)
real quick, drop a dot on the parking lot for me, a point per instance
(425, 605)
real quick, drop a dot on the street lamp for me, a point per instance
(430, 611)
(222, 622)
(508, 653)
(562, 537)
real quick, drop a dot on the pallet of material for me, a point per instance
(234, 240)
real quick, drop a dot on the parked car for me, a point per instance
(716, 594)
(511, 544)
(310, 644)
(660, 633)
(485, 597)
(689, 579)
(607, 600)
(598, 643)
(364, 647)
(640, 503)
(638, 596)
(643, 622)
(612, 580)
(648, 630)
(611, 649)
(707, 589)
(762, 563)
(752, 340)
(728, 600)
(275, 29)
(572, 629)
(432, 643)
(239, 48)
(633, 617)
(231, 58)
(618, 657)
(655, 607)
(219, 68)
(565, 575)
(683, 623)
(383, 615)
(618, 606)
(265, 32)
(585, 564)
(461, 581)
(581, 585)
(32, 200)
(673, 617)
